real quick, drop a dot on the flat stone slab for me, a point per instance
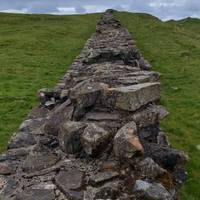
(36, 194)
(103, 176)
(101, 116)
(132, 97)
(69, 182)
(39, 161)
(154, 191)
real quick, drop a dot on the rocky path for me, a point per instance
(96, 135)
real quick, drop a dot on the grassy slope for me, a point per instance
(36, 50)
(173, 49)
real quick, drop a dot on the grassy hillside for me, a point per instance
(173, 48)
(35, 51)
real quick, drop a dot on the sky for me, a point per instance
(163, 9)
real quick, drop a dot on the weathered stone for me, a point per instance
(69, 182)
(46, 95)
(9, 186)
(39, 194)
(64, 94)
(149, 191)
(38, 112)
(126, 143)
(107, 191)
(148, 115)
(38, 161)
(15, 154)
(61, 114)
(88, 90)
(93, 137)
(147, 168)
(21, 139)
(133, 97)
(6, 169)
(144, 64)
(101, 116)
(30, 125)
(85, 94)
(69, 136)
(2, 183)
(165, 156)
(103, 176)
(162, 139)
(51, 103)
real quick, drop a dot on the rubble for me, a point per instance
(96, 135)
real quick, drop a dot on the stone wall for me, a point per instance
(96, 135)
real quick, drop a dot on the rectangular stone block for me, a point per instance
(133, 97)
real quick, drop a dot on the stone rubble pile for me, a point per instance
(96, 135)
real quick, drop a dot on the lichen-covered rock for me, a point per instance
(106, 191)
(93, 138)
(103, 176)
(22, 139)
(70, 136)
(149, 191)
(69, 182)
(40, 194)
(38, 161)
(85, 94)
(61, 114)
(147, 168)
(126, 142)
(133, 97)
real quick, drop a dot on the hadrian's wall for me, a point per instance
(96, 135)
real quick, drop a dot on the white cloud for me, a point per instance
(66, 10)
(15, 11)
(164, 9)
(95, 8)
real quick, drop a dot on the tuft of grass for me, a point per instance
(35, 51)
(173, 49)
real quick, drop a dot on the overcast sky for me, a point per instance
(164, 9)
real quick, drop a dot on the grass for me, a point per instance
(35, 50)
(173, 48)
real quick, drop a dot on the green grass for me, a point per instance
(35, 50)
(173, 48)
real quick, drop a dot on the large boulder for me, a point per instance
(126, 142)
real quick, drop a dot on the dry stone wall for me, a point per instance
(96, 135)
